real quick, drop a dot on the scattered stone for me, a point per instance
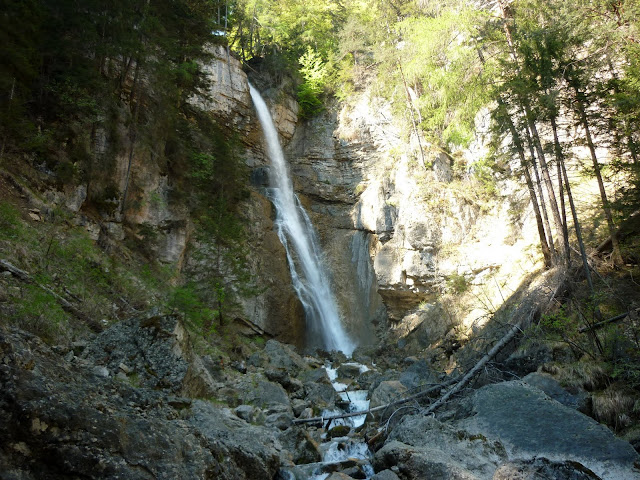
(338, 431)
(179, 402)
(239, 367)
(100, 371)
(298, 406)
(124, 368)
(385, 475)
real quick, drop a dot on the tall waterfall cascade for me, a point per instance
(294, 228)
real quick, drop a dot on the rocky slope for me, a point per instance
(137, 402)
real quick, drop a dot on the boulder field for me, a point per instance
(138, 402)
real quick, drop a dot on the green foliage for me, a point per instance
(188, 300)
(315, 73)
(10, 223)
(38, 312)
(457, 283)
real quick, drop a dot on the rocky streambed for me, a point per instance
(136, 402)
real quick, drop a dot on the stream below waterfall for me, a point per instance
(348, 451)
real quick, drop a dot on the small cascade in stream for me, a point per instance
(297, 235)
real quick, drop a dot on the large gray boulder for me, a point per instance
(508, 430)
(529, 425)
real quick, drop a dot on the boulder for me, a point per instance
(387, 392)
(419, 373)
(300, 445)
(254, 389)
(543, 468)
(281, 356)
(529, 424)
(550, 386)
(385, 475)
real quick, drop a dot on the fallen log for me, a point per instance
(525, 315)
(608, 321)
(378, 408)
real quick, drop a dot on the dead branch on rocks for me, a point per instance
(378, 408)
(523, 316)
(64, 303)
(539, 298)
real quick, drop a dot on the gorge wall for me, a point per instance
(411, 242)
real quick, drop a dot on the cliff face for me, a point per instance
(403, 227)
(405, 234)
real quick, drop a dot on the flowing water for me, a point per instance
(296, 233)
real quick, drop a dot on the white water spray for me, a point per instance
(296, 233)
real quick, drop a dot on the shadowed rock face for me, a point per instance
(61, 419)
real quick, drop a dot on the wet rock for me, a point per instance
(339, 476)
(338, 431)
(302, 447)
(320, 395)
(388, 391)
(369, 378)
(349, 370)
(318, 375)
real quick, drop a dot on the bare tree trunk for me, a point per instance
(545, 171)
(546, 253)
(506, 16)
(559, 163)
(616, 255)
(543, 203)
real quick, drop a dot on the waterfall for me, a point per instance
(297, 235)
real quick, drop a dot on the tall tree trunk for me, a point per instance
(543, 203)
(616, 255)
(560, 163)
(553, 203)
(546, 253)
(583, 254)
